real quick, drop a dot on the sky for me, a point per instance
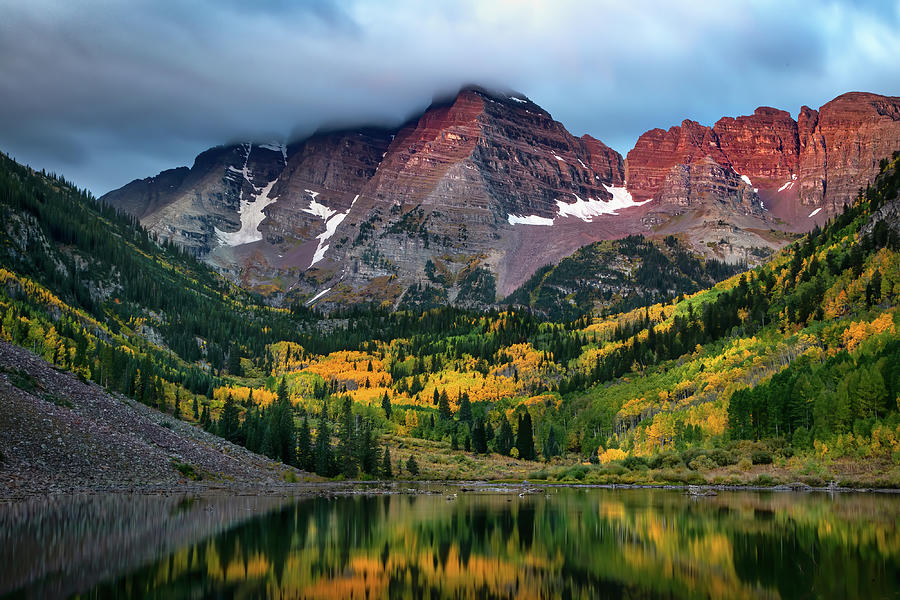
(106, 91)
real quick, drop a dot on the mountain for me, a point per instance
(787, 372)
(466, 202)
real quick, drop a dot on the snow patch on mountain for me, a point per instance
(317, 296)
(585, 210)
(252, 215)
(528, 220)
(332, 220)
(786, 186)
(815, 212)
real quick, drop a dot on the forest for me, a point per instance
(789, 370)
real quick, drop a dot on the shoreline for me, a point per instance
(331, 489)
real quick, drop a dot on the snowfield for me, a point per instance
(585, 210)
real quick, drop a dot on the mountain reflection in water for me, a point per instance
(568, 543)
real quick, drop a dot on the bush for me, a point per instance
(691, 453)
(613, 470)
(541, 475)
(665, 460)
(633, 463)
(764, 479)
(722, 458)
(744, 464)
(761, 457)
(187, 470)
(702, 463)
(577, 472)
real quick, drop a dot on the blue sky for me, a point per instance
(105, 91)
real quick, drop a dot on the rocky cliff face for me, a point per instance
(464, 203)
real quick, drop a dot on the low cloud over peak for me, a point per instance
(105, 92)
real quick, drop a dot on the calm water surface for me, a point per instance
(559, 543)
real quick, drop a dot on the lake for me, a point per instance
(490, 543)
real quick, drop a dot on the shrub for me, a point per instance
(722, 458)
(187, 470)
(542, 475)
(761, 457)
(613, 470)
(691, 453)
(665, 460)
(575, 472)
(745, 464)
(702, 463)
(633, 463)
(764, 479)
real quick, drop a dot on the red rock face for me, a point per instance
(763, 146)
(657, 151)
(822, 159)
(842, 145)
(450, 181)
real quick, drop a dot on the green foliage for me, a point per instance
(187, 470)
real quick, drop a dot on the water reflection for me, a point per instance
(568, 543)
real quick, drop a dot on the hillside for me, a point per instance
(59, 433)
(617, 276)
(786, 372)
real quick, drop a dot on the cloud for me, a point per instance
(105, 91)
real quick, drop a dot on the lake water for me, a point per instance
(558, 543)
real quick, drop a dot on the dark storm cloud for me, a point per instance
(106, 91)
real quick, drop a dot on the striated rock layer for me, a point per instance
(464, 203)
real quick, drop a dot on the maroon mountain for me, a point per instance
(467, 201)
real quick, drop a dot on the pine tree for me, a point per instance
(205, 418)
(443, 403)
(386, 471)
(177, 411)
(479, 439)
(306, 460)
(324, 452)
(465, 409)
(504, 441)
(196, 409)
(346, 443)
(386, 405)
(229, 422)
(525, 437)
(412, 466)
(551, 445)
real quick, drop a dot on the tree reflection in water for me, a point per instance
(569, 543)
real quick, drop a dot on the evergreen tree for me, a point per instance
(444, 411)
(551, 445)
(503, 444)
(346, 455)
(412, 466)
(229, 422)
(386, 471)
(205, 418)
(324, 452)
(479, 439)
(525, 437)
(366, 450)
(386, 405)
(465, 409)
(282, 392)
(196, 409)
(280, 439)
(177, 410)
(306, 459)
